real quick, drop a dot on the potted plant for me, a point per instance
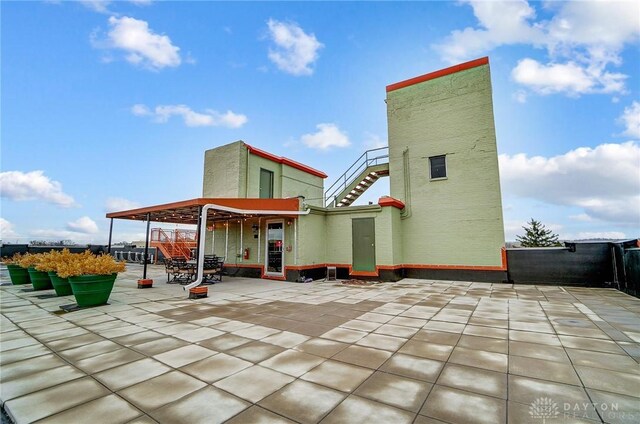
(39, 280)
(91, 277)
(49, 263)
(18, 274)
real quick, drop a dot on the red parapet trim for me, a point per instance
(286, 161)
(363, 273)
(503, 253)
(438, 74)
(390, 201)
(456, 267)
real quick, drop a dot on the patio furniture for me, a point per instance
(182, 271)
(212, 268)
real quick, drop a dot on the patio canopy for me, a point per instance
(187, 211)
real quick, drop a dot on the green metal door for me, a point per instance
(364, 244)
(266, 184)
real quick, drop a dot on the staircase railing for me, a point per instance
(174, 242)
(369, 158)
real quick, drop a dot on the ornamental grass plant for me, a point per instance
(87, 263)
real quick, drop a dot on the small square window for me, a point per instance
(438, 167)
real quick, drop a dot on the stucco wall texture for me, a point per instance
(457, 220)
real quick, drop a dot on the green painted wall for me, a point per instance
(224, 174)
(456, 221)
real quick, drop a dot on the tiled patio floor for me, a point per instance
(415, 351)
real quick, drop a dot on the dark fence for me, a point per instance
(129, 254)
(595, 264)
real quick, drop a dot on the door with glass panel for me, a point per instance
(274, 260)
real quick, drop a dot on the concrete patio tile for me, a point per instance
(361, 325)
(86, 351)
(256, 351)
(209, 405)
(452, 405)
(257, 415)
(344, 335)
(22, 353)
(528, 390)
(480, 359)
(421, 419)
(108, 360)
(543, 369)
(475, 380)
(256, 332)
(17, 343)
(491, 332)
(310, 329)
(375, 317)
(132, 373)
(181, 327)
(426, 350)
(209, 321)
(532, 350)
(117, 409)
(138, 338)
(215, 367)
(484, 343)
(231, 325)
(20, 386)
(380, 341)
(363, 356)
(286, 339)
(122, 331)
(413, 367)
(447, 327)
(143, 419)
(623, 383)
(616, 408)
(537, 338)
(401, 392)
(593, 333)
(489, 322)
(254, 383)
(357, 410)
(536, 327)
(303, 402)
(292, 362)
(158, 346)
(608, 361)
(396, 330)
(158, 391)
(184, 355)
(321, 347)
(596, 345)
(337, 375)
(30, 366)
(438, 337)
(224, 342)
(408, 322)
(75, 341)
(53, 400)
(198, 335)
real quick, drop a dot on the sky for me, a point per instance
(110, 105)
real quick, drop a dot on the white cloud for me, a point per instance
(208, 118)
(51, 234)
(6, 230)
(570, 78)
(117, 204)
(142, 46)
(582, 40)
(631, 120)
(295, 51)
(100, 6)
(520, 96)
(603, 181)
(327, 136)
(34, 185)
(373, 141)
(583, 217)
(84, 225)
(599, 235)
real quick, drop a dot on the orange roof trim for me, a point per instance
(390, 201)
(286, 161)
(438, 74)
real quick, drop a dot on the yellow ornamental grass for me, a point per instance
(86, 263)
(13, 260)
(30, 259)
(50, 261)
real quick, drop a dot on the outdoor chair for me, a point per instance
(212, 269)
(182, 272)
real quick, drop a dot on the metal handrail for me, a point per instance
(362, 163)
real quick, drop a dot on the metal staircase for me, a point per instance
(365, 171)
(174, 243)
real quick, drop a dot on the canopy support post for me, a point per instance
(146, 248)
(110, 233)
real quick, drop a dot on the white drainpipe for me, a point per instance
(203, 229)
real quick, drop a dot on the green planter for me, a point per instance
(39, 280)
(92, 290)
(18, 274)
(60, 285)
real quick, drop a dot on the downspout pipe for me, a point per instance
(203, 217)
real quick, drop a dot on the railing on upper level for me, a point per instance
(369, 158)
(174, 242)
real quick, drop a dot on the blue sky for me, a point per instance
(109, 105)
